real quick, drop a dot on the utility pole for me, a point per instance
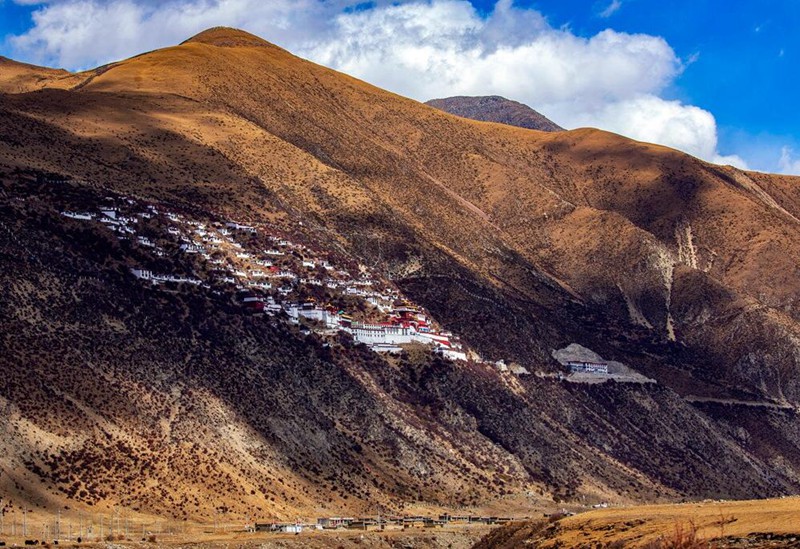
(24, 522)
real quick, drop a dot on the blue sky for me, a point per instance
(715, 78)
(747, 67)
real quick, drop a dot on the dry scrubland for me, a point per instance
(701, 525)
(463, 539)
(173, 404)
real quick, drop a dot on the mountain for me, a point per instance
(494, 108)
(18, 77)
(170, 400)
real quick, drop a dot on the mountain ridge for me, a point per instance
(493, 108)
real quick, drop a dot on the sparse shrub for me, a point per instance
(682, 537)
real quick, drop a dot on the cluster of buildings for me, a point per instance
(376, 523)
(149, 276)
(273, 275)
(269, 272)
(404, 324)
(281, 265)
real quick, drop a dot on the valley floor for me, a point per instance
(454, 537)
(707, 524)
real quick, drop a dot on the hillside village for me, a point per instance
(271, 275)
(268, 273)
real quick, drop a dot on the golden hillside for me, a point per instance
(520, 241)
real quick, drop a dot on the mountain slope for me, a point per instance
(521, 242)
(18, 77)
(494, 108)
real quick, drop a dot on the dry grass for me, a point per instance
(687, 526)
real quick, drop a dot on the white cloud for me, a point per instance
(789, 163)
(650, 118)
(421, 49)
(79, 34)
(444, 48)
(611, 9)
(611, 80)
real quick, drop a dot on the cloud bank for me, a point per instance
(422, 49)
(789, 162)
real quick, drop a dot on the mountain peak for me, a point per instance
(494, 108)
(227, 37)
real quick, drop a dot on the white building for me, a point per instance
(381, 334)
(78, 215)
(311, 312)
(588, 367)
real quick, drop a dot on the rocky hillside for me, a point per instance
(170, 400)
(494, 108)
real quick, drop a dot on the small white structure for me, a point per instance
(142, 273)
(587, 367)
(192, 248)
(452, 354)
(312, 312)
(78, 215)
(382, 334)
(240, 227)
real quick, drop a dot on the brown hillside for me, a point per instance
(521, 242)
